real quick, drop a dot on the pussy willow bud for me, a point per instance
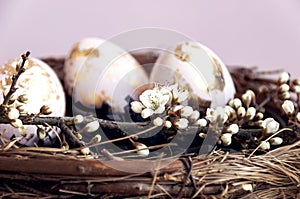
(276, 141)
(250, 114)
(23, 98)
(288, 107)
(96, 139)
(284, 88)
(168, 124)
(92, 126)
(85, 151)
(17, 123)
(78, 119)
(45, 110)
(142, 149)
(226, 139)
(284, 77)
(232, 128)
(265, 145)
(241, 112)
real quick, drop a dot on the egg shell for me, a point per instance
(98, 71)
(42, 87)
(196, 68)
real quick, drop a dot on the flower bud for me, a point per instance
(13, 113)
(201, 122)
(265, 145)
(284, 78)
(23, 109)
(247, 187)
(194, 116)
(288, 107)
(45, 110)
(186, 111)
(137, 107)
(298, 117)
(85, 151)
(250, 114)
(23, 98)
(96, 139)
(181, 123)
(285, 96)
(241, 112)
(276, 141)
(284, 88)
(232, 128)
(142, 149)
(158, 121)
(259, 116)
(296, 88)
(17, 123)
(246, 98)
(78, 119)
(168, 124)
(147, 112)
(235, 103)
(270, 125)
(92, 126)
(296, 81)
(226, 139)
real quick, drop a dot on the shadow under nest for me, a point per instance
(45, 172)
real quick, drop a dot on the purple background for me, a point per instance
(251, 32)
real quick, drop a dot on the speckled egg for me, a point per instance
(98, 71)
(41, 86)
(196, 68)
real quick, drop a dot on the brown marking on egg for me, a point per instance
(219, 82)
(183, 56)
(77, 53)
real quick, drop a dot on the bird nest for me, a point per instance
(244, 171)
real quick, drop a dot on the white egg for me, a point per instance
(98, 71)
(41, 86)
(196, 68)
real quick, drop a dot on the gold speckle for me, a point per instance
(76, 53)
(183, 56)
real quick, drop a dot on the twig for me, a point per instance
(20, 69)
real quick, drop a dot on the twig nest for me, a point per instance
(98, 71)
(38, 86)
(196, 68)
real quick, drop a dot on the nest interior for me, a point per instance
(29, 172)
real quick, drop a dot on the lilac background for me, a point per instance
(251, 32)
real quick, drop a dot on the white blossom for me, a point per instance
(158, 121)
(288, 107)
(181, 123)
(154, 101)
(179, 95)
(270, 125)
(226, 139)
(137, 106)
(201, 122)
(264, 145)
